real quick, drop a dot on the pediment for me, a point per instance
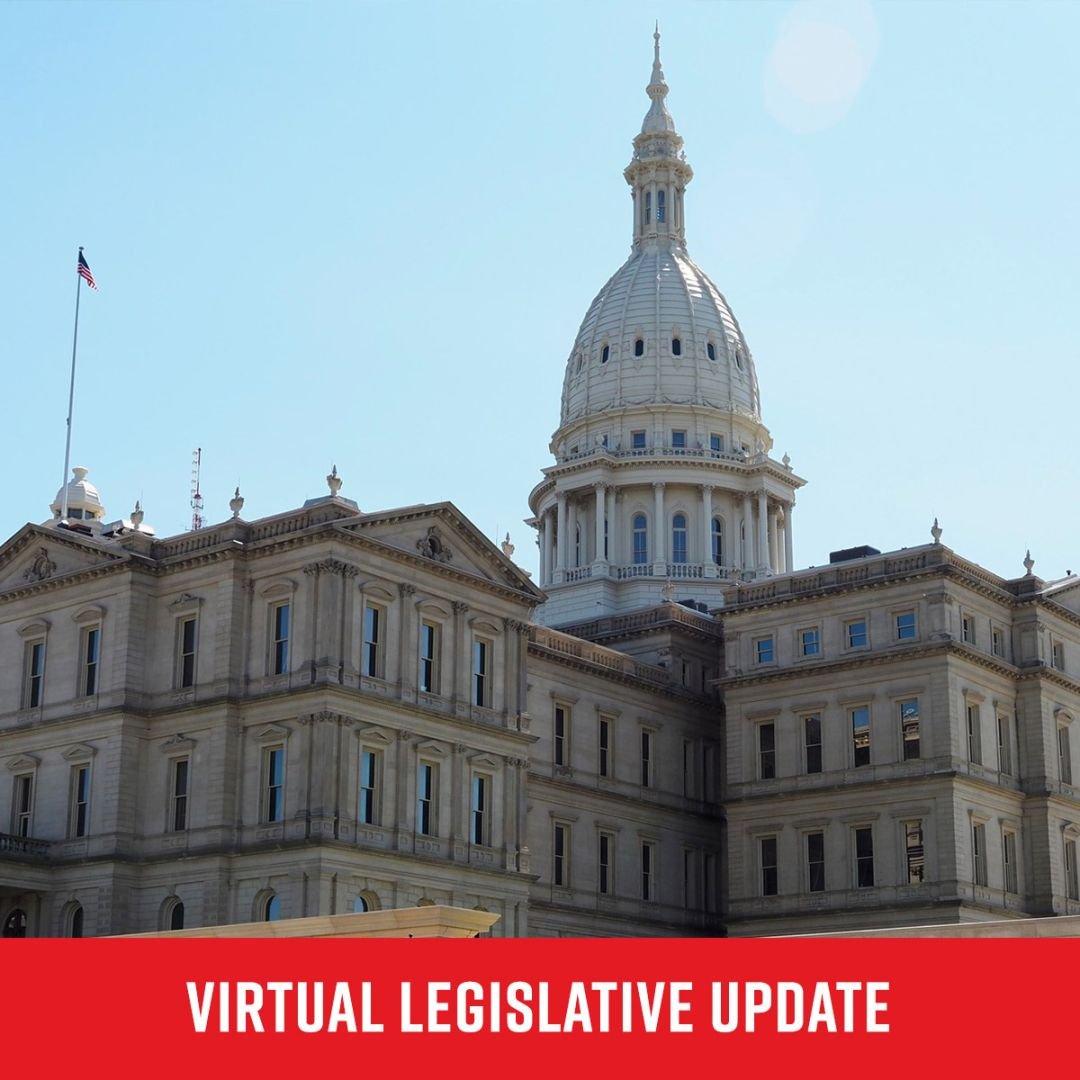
(378, 735)
(23, 762)
(35, 555)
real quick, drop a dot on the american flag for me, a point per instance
(84, 271)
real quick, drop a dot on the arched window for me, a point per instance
(176, 916)
(718, 541)
(678, 538)
(15, 924)
(75, 921)
(360, 904)
(676, 346)
(639, 347)
(272, 908)
(641, 539)
(648, 207)
(605, 354)
(710, 350)
(661, 199)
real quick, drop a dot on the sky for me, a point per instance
(365, 234)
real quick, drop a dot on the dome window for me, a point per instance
(678, 538)
(660, 207)
(605, 354)
(580, 361)
(676, 346)
(648, 207)
(738, 358)
(639, 347)
(718, 541)
(641, 539)
(710, 349)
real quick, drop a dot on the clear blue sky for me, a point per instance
(366, 234)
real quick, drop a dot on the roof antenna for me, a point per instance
(196, 494)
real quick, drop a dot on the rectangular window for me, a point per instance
(425, 798)
(1057, 652)
(368, 810)
(1004, 745)
(769, 870)
(766, 734)
(604, 748)
(605, 864)
(864, 858)
(481, 681)
(24, 804)
(35, 674)
(1008, 861)
(648, 871)
(815, 861)
(905, 626)
(178, 817)
(716, 443)
(646, 759)
(561, 732)
(709, 773)
(185, 652)
(479, 816)
(429, 651)
(279, 653)
(764, 650)
(371, 661)
(274, 784)
(978, 852)
(1072, 879)
(1064, 755)
(91, 649)
(914, 852)
(909, 728)
(80, 801)
(860, 735)
(812, 738)
(855, 633)
(560, 855)
(967, 629)
(974, 735)
(810, 642)
(678, 440)
(637, 440)
(997, 641)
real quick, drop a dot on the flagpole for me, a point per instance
(71, 401)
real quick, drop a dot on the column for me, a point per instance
(407, 641)
(613, 551)
(746, 537)
(601, 502)
(549, 534)
(711, 569)
(572, 545)
(460, 689)
(541, 543)
(774, 538)
(763, 530)
(789, 558)
(659, 531)
(560, 539)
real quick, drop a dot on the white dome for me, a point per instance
(83, 501)
(661, 305)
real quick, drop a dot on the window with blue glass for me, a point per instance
(641, 538)
(678, 538)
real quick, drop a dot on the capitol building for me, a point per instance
(671, 730)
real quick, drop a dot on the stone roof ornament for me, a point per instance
(333, 482)
(507, 547)
(137, 516)
(668, 591)
(657, 118)
(431, 546)
(786, 461)
(1029, 562)
(935, 532)
(236, 503)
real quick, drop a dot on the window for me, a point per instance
(368, 810)
(710, 352)
(426, 775)
(604, 748)
(974, 735)
(718, 541)
(90, 650)
(279, 652)
(648, 870)
(641, 539)
(769, 870)
(560, 855)
(914, 853)
(176, 916)
(605, 354)
(75, 921)
(1072, 884)
(185, 652)
(661, 196)
(716, 443)
(178, 783)
(360, 905)
(1004, 741)
(272, 908)
(864, 857)
(80, 801)
(648, 207)
(639, 346)
(482, 695)
(815, 861)
(35, 674)
(678, 440)
(909, 729)
(637, 439)
(967, 629)
(429, 651)
(978, 852)
(15, 924)
(561, 733)
(371, 661)
(1008, 861)
(273, 784)
(1057, 652)
(766, 739)
(676, 346)
(739, 361)
(1064, 755)
(905, 626)
(479, 817)
(605, 864)
(646, 758)
(810, 641)
(860, 735)
(764, 650)
(855, 632)
(812, 740)
(997, 641)
(22, 811)
(678, 538)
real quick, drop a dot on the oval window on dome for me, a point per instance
(710, 349)
(639, 347)
(738, 358)
(580, 361)
(676, 346)
(605, 354)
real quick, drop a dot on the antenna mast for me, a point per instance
(196, 495)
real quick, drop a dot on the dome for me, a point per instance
(659, 332)
(83, 501)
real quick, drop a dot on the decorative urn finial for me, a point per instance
(935, 531)
(236, 503)
(333, 481)
(1029, 562)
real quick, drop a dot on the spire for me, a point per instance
(657, 118)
